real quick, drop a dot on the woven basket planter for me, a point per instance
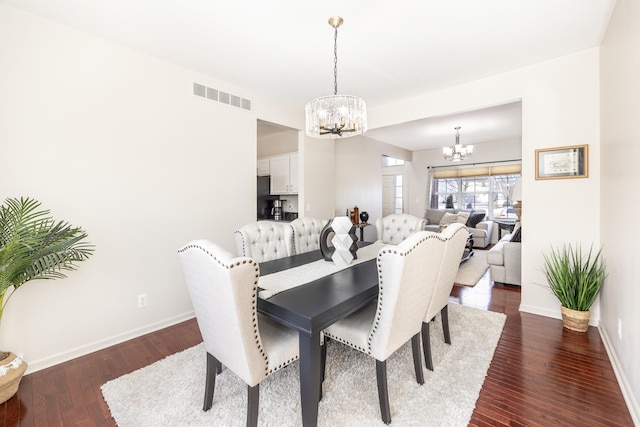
(575, 320)
(10, 381)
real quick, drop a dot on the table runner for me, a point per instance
(274, 283)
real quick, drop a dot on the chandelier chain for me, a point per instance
(335, 62)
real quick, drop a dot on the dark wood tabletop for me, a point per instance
(311, 307)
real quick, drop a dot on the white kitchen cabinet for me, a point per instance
(263, 167)
(284, 174)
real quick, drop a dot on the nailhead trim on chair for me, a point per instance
(381, 290)
(381, 282)
(256, 334)
(244, 247)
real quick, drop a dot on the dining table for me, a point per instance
(307, 293)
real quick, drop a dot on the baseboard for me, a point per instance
(540, 311)
(625, 387)
(593, 321)
(47, 362)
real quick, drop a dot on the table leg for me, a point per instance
(309, 346)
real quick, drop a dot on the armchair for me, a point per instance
(505, 260)
(406, 275)
(223, 292)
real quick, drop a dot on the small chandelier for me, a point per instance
(457, 152)
(336, 116)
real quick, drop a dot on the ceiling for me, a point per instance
(387, 50)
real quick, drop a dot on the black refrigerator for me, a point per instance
(265, 199)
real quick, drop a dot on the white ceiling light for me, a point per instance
(336, 116)
(458, 151)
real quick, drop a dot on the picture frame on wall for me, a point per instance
(562, 162)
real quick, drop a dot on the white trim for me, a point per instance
(593, 320)
(625, 387)
(58, 358)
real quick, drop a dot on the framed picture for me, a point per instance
(562, 162)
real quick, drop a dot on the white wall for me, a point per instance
(113, 141)
(278, 143)
(559, 107)
(359, 174)
(620, 175)
(317, 177)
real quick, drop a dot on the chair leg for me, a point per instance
(417, 360)
(383, 391)
(323, 364)
(426, 346)
(210, 382)
(444, 313)
(253, 401)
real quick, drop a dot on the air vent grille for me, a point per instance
(221, 97)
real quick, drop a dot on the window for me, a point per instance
(480, 189)
(393, 185)
(398, 194)
(390, 161)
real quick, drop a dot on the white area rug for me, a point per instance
(170, 392)
(473, 269)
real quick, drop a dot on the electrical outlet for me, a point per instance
(142, 300)
(619, 328)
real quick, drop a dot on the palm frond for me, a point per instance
(34, 246)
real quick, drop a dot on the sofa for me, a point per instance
(475, 221)
(505, 259)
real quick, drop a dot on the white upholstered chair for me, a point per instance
(265, 240)
(406, 276)
(394, 228)
(223, 291)
(455, 236)
(306, 234)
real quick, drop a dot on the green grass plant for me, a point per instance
(575, 279)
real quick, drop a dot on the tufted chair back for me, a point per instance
(394, 228)
(306, 234)
(265, 240)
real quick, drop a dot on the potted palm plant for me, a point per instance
(32, 246)
(575, 279)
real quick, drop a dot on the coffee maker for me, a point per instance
(277, 211)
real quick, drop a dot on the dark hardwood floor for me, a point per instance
(541, 375)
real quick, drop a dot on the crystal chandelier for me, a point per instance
(458, 151)
(336, 116)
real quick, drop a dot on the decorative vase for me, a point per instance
(11, 371)
(574, 320)
(364, 217)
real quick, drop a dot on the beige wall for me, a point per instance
(559, 107)
(359, 174)
(620, 105)
(113, 141)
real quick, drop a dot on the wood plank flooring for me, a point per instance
(541, 375)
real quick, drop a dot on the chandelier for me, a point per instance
(336, 116)
(458, 151)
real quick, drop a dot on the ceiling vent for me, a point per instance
(222, 97)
